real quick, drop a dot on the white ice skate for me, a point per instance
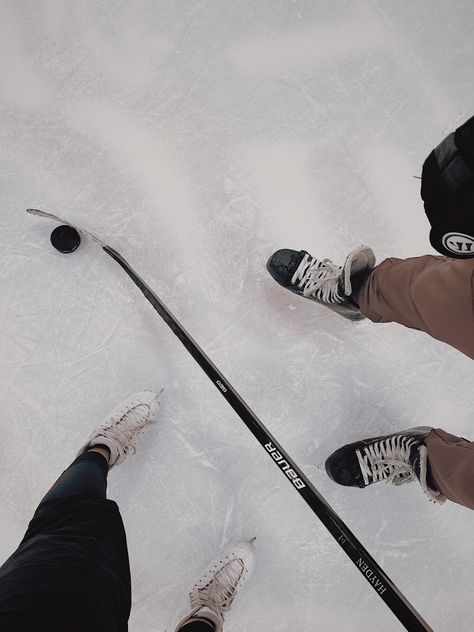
(216, 590)
(124, 426)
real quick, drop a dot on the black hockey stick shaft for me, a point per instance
(369, 568)
(373, 573)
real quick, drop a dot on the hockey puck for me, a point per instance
(65, 239)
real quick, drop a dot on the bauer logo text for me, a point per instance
(285, 466)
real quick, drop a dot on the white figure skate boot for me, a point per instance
(216, 590)
(124, 426)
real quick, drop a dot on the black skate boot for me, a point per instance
(397, 458)
(321, 280)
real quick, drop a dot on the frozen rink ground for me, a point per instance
(197, 137)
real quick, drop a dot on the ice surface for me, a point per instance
(197, 137)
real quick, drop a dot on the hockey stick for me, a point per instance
(373, 573)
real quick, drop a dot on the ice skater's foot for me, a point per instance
(321, 280)
(214, 593)
(124, 426)
(397, 458)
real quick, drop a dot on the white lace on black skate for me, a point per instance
(388, 459)
(319, 278)
(131, 426)
(217, 590)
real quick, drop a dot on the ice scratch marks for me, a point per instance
(412, 65)
(173, 507)
(308, 46)
(193, 453)
(368, 32)
(228, 528)
(144, 161)
(388, 175)
(282, 175)
(113, 48)
(209, 345)
(129, 49)
(19, 82)
(94, 355)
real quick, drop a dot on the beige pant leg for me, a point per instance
(451, 462)
(430, 294)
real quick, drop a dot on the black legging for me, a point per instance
(88, 473)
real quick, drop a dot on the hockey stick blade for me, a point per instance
(35, 211)
(364, 562)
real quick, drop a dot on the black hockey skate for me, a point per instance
(321, 280)
(397, 458)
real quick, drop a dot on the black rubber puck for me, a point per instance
(65, 238)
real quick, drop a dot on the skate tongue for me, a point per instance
(357, 261)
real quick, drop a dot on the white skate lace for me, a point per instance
(319, 279)
(220, 589)
(388, 459)
(131, 426)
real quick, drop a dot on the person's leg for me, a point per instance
(108, 445)
(119, 432)
(430, 294)
(451, 461)
(87, 474)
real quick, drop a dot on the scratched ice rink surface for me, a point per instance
(197, 137)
